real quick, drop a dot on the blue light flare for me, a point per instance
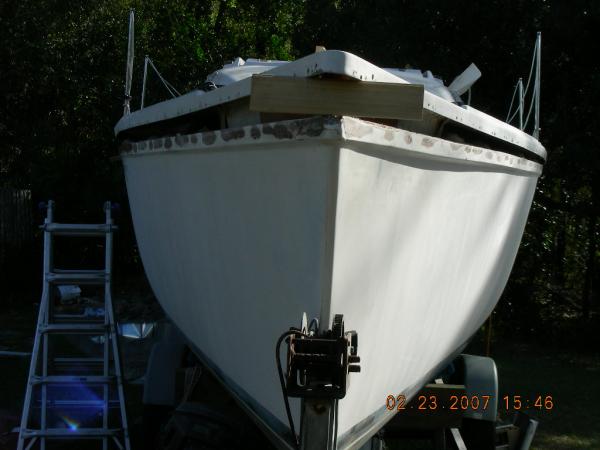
(72, 424)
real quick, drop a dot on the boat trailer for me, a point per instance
(317, 371)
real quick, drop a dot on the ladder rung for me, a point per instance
(79, 404)
(77, 277)
(69, 433)
(78, 361)
(68, 318)
(67, 379)
(78, 271)
(76, 229)
(75, 328)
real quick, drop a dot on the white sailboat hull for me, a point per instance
(411, 237)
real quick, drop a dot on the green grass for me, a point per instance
(573, 381)
(572, 378)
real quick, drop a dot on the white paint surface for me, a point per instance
(233, 245)
(234, 237)
(423, 251)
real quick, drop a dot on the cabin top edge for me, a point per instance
(233, 82)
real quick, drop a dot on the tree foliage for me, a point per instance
(62, 88)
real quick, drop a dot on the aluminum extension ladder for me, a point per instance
(74, 398)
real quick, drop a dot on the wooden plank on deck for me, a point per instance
(336, 97)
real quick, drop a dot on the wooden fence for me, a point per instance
(16, 230)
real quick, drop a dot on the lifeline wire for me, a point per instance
(509, 118)
(174, 92)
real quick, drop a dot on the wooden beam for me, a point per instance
(336, 97)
